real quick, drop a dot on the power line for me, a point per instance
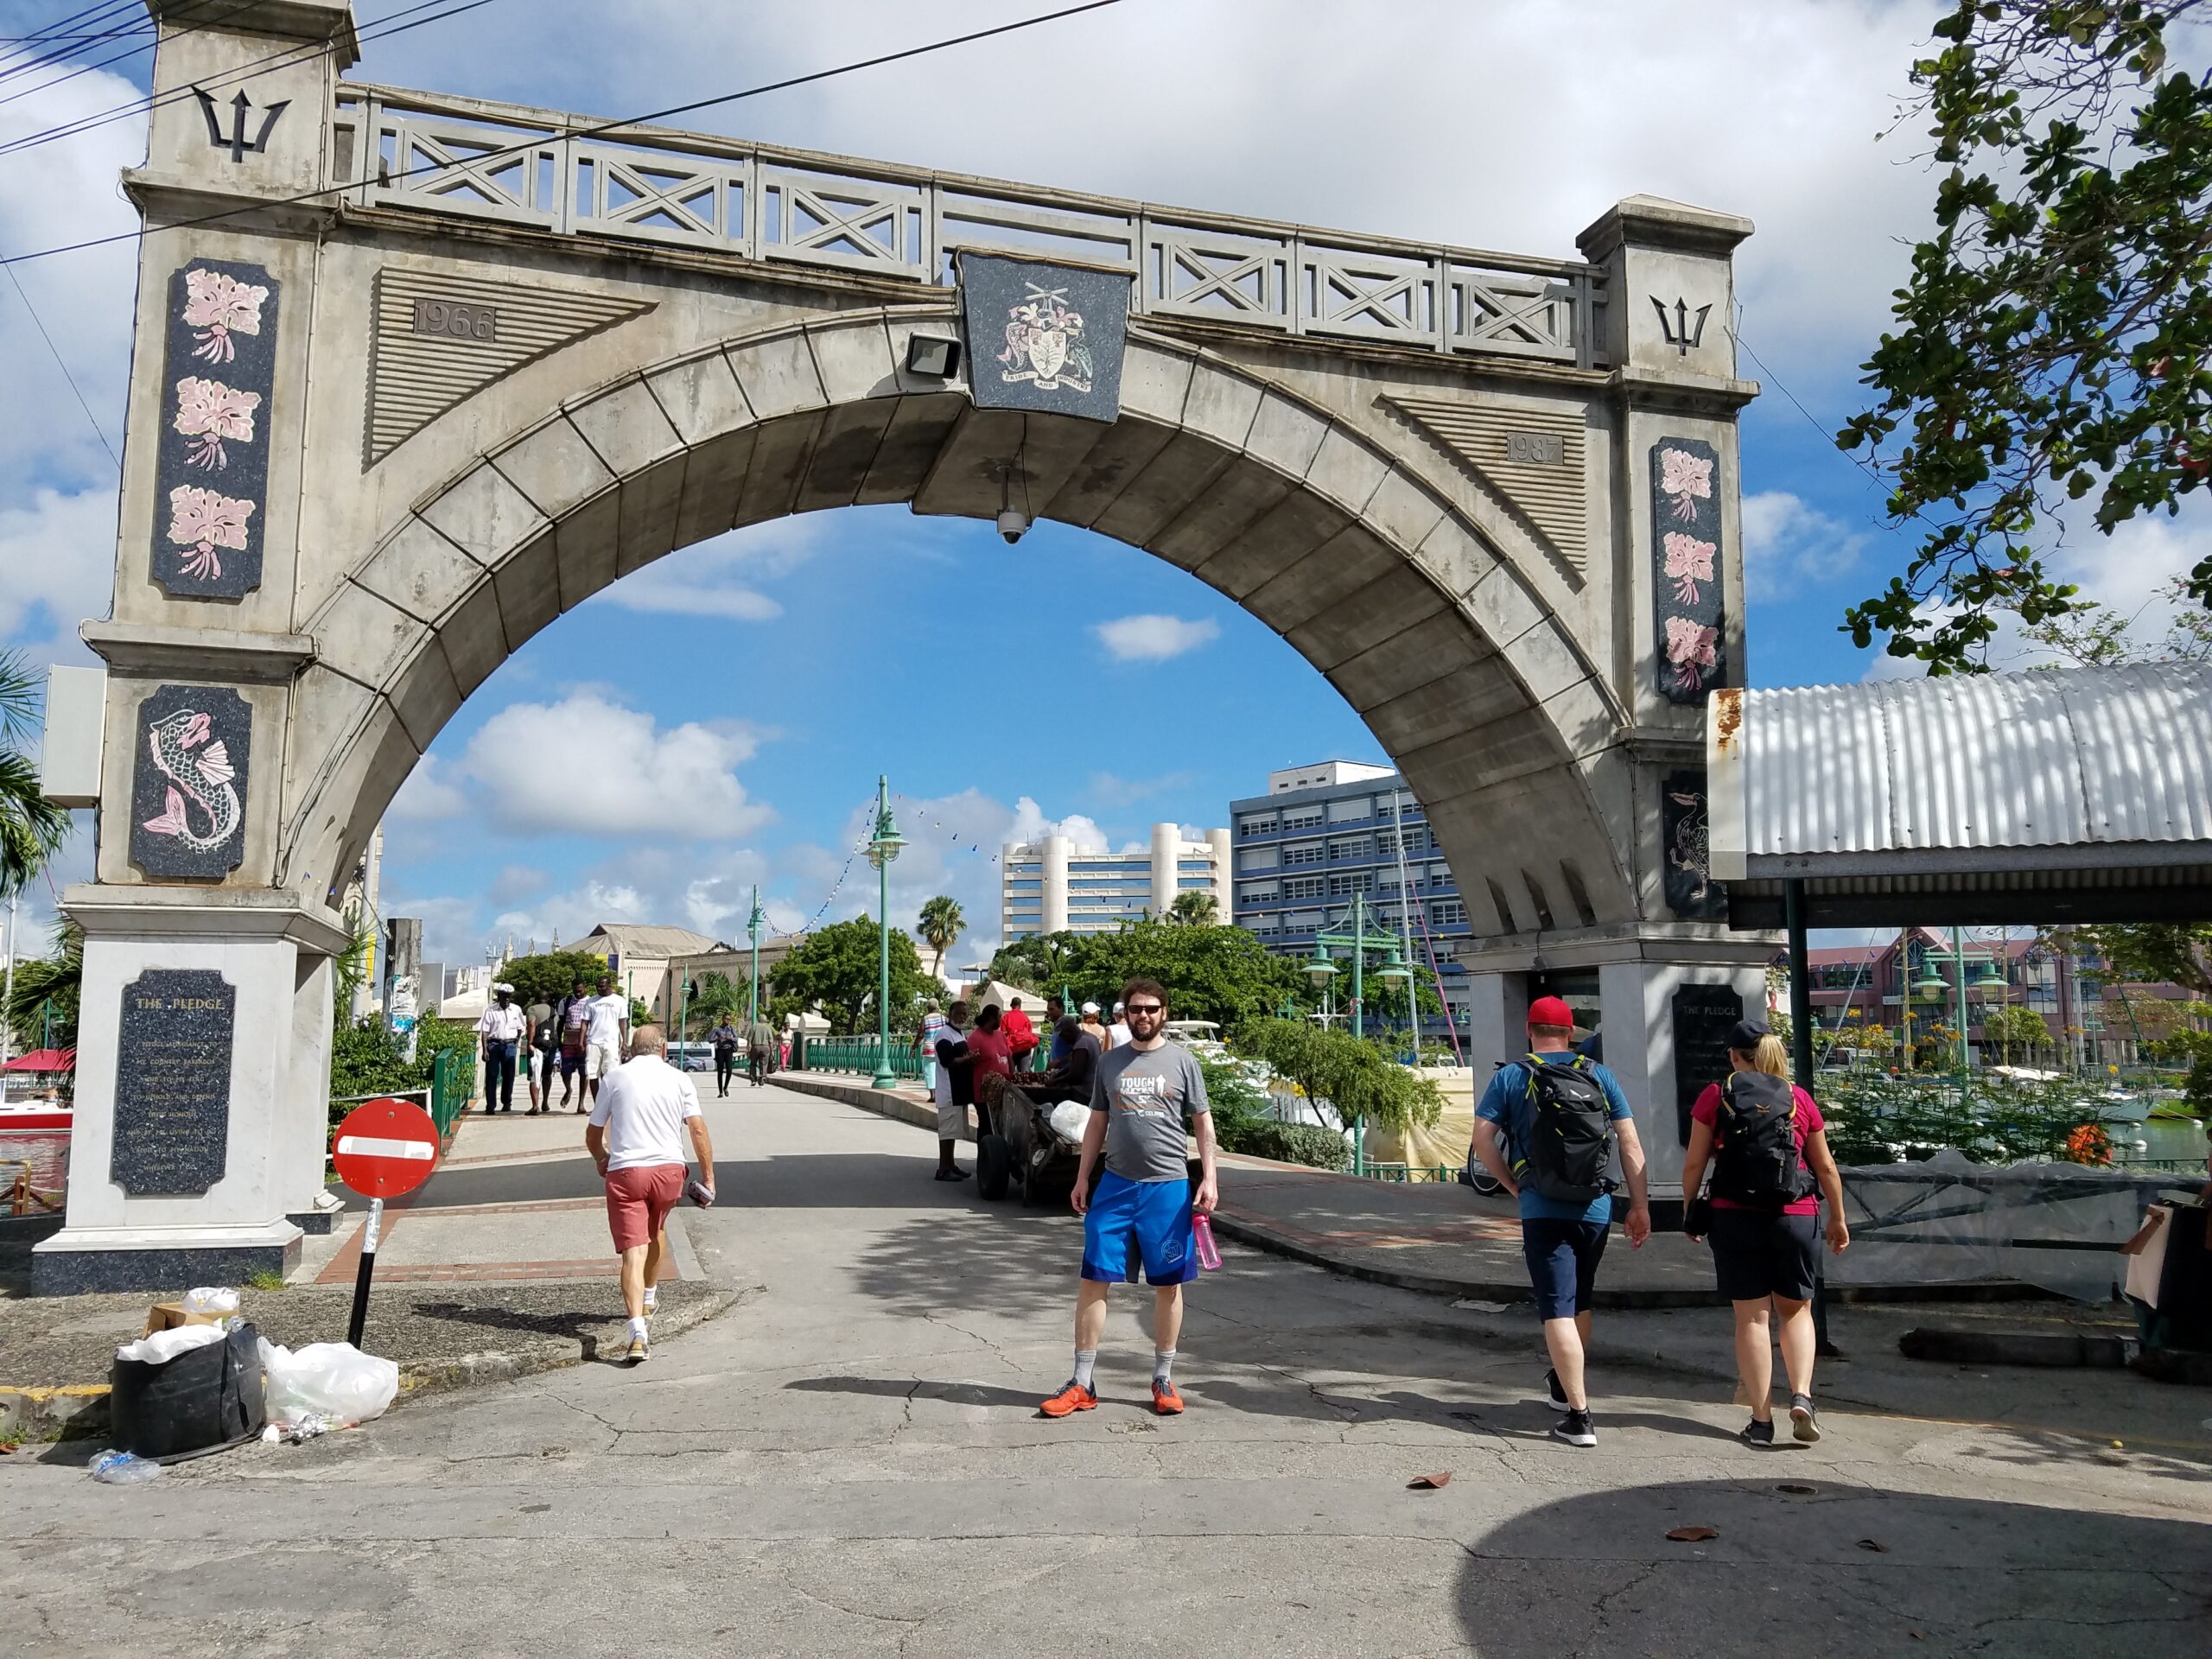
(91, 23)
(58, 48)
(374, 30)
(64, 367)
(590, 131)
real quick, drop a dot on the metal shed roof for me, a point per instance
(2090, 789)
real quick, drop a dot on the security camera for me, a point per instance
(1014, 525)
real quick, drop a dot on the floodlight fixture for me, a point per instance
(936, 357)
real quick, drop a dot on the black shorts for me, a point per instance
(1761, 1253)
(1562, 1257)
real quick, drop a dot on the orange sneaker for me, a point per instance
(1072, 1399)
(1166, 1401)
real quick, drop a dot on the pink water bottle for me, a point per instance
(1208, 1252)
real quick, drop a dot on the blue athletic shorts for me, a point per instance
(1158, 1212)
(1562, 1258)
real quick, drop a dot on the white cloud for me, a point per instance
(428, 796)
(590, 766)
(718, 577)
(57, 567)
(1155, 639)
(1788, 542)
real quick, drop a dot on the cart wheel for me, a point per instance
(994, 1167)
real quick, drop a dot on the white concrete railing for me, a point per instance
(518, 166)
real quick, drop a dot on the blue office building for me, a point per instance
(1325, 834)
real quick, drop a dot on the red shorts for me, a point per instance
(638, 1200)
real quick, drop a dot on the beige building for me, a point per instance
(640, 958)
(1052, 886)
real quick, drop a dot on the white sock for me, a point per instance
(1163, 1364)
(652, 1297)
(636, 1330)
(1083, 1361)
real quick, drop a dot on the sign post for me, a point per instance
(383, 1149)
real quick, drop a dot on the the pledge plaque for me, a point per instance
(173, 1082)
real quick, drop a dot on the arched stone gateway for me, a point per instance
(380, 436)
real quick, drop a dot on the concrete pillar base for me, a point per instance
(80, 1259)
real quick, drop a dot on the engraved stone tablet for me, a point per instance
(1045, 336)
(1702, 1015)
(173, 1082)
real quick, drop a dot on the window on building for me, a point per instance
(1302, 887)
(1306, 817)
(1451, 912)
(1303, 852)
(1351, 881)
(1351, 847)
(1200, 865)
(1256, 826)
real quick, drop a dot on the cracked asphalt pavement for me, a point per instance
(849, 1462)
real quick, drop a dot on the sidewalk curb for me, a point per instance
(79, 1410)
(884, 1102)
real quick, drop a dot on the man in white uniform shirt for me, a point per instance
(503, 1028)
(606, 1033)
(635, 1135)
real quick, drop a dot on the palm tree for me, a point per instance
(1195, 907)
(31, 827)
(941, 924)
(45, 1002)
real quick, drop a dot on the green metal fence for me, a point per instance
(857, 1054)
(453, 1078)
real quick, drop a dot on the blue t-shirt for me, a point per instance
(1505, 1104)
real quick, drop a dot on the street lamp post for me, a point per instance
(1321, 969)
(752, 932)
(882, 848)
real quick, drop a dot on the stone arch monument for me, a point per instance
(416, 374)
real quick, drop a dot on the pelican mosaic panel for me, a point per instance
(1045, 337)
(187, 797)
(1686, 568)
(212, 471)
(1691, 891)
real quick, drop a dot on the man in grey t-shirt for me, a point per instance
(1142, 1091)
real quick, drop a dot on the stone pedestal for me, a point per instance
(202, 1134)
(1639, 981)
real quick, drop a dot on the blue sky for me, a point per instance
(762, 681)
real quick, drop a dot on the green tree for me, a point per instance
(941, 924)
(1195, 907)
(1038, 963)
(31, 827)
(2009, 1026)
(713, 998)
(550, 976)
(44, 1005)
(833, 969)
(1353, 1075)
(2053, 342)
(1222, 974)
(2151, 953)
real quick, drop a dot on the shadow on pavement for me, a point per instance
(1801, 1573)
(959, 1394)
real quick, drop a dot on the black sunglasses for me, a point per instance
(1146, 1007)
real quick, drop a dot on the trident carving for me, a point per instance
(1682, 331)
(239, 146)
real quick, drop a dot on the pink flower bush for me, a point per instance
(203, 521)
(219, 306)
(1685, 479)
(1688, 561)
(1690, 649)
(210, 411)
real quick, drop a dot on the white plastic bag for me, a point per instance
(165, 1345)
(210, 1299)
(1069, 1119)
(333, 1381)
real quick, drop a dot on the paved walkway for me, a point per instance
(848, 1463)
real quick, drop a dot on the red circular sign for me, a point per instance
(385, 1147)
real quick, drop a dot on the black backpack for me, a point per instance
(541, 1035)
(1571, 1132)
(1756, 1161)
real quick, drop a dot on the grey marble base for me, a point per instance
(72, 1273)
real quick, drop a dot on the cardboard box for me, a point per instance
(167, 1316)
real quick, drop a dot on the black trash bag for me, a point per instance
(205, 1399)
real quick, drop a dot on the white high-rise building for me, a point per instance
(1053, 885)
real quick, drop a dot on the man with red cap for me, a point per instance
(1546, 1128)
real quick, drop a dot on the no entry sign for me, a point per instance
(385, 1147)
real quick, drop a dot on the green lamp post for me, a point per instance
(1322, 972)
(753, 932)
(884, 845)
(1393, 971)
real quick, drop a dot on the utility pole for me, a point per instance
(882, 848)
(403, 961)
(8, 995)
(752, 932)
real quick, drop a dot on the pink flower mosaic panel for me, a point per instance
(212, 478)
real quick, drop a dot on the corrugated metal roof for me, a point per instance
(2114, 764)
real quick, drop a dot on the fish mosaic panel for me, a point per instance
(1691, 892)
(187, 795)
(212, 470)
(1687, 568)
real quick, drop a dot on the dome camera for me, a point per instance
(1014, 525)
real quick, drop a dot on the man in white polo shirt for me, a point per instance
(606, 1033)
(635, 1136)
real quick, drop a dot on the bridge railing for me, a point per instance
(518, 166)
(855, 1054)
